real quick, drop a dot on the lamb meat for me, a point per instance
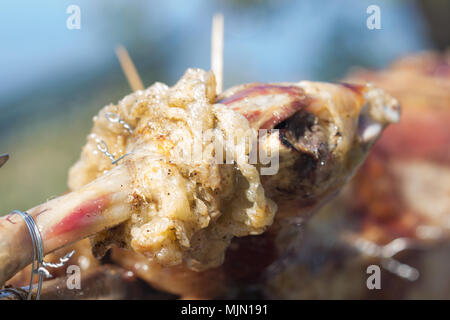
(177, 210)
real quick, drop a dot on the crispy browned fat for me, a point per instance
(325, 131)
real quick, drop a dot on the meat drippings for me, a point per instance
(182, 208)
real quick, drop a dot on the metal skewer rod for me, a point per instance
(217, 50)
(129, 69)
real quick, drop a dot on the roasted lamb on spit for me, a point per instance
(181, 214)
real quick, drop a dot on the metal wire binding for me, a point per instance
(114, 118)
(38, 264)
(101, 144)
(103, 148)
(62, 261)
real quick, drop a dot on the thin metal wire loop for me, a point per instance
(114, 118)
(103, 148)
(38, 265)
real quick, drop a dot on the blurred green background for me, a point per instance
(53, 80)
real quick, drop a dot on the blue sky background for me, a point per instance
(271, 41)
(53, 80)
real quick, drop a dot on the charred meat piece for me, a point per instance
(308, 117)
(398, 200)
(325, 131)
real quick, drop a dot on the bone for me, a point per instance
(99, 205)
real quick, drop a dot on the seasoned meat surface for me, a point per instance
(184, 206)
